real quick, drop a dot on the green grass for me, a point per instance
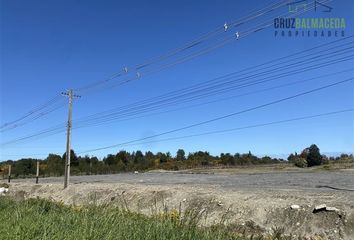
(41, 219)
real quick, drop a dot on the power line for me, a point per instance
(37, 116)
(224, 116)
(172, 94)
(59, 128)
(245, 127)
(196, 95)
(33, 114)
(220, 131)
(189, 88)
(243, 20)
(236, 23)
(229, 39)
(208, 49)
(213, 101)
(185, 97)
(238, 73)
(270, 78)
(196, 42)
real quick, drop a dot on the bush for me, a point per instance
(300, 162)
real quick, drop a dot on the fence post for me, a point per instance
(37, 173)
(9, 179)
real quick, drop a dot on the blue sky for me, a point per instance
(50, 46)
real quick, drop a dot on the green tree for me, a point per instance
(149, 159)
(314, 156)
(139, 157)
(292, 158)
(140, 161)
(162, 156)
(85, 165)
(74, 161)
(181, 155)
(123, 156)
(55, 165)
(24, 167)
(110, 160)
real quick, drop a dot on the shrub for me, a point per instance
(300, 162)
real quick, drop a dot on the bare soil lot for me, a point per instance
(246, 200)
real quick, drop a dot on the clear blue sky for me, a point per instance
(49, 46)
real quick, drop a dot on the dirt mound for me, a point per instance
(251, 212)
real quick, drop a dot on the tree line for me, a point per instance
(124, 161)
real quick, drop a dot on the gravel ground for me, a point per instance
(248, 200)
(304, 181)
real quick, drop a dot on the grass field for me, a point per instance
(40, 219)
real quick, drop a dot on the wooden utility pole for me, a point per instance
(37, 172)
(9, 179)
(70, 95)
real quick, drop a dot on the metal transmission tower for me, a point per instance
(70, 94)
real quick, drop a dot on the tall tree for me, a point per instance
(123, 156)
(55, 164)
(73, 158)
(314, 156)
(139, 157)
(181, 155)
